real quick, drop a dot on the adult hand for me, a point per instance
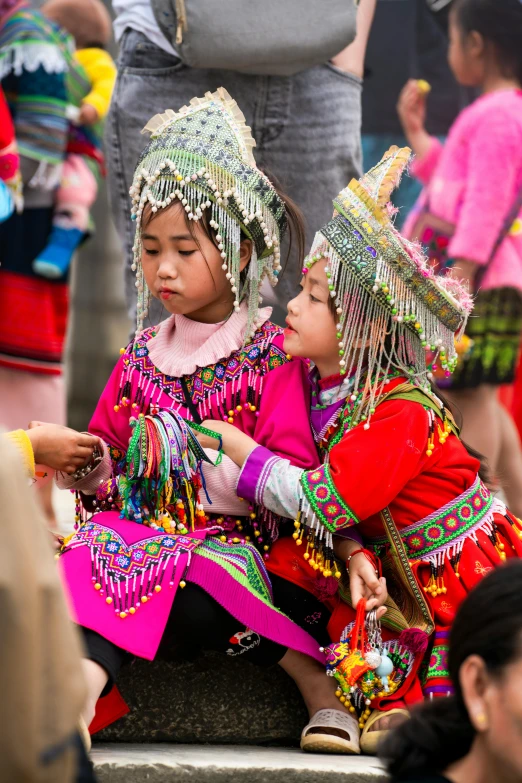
(61, 448)
(364, 583)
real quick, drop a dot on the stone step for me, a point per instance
(214, 699)
(163, 763)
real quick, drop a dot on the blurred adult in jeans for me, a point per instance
(307, 126)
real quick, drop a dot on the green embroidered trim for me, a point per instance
(328, 506)
(438, 665)
(241, 562)
(446, 526)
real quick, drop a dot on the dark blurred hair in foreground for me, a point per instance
(488, 624)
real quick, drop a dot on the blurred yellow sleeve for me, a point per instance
(20, 439)
(101, 71)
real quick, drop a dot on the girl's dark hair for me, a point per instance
(488, 624)
(295, 219)
(500, 23)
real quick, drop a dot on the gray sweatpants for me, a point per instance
(307, 128)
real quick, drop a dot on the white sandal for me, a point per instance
(330, 743)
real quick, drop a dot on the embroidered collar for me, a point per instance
(181, 345)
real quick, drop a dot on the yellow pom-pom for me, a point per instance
(123, 615)
(132, 610)
(116, 408)
(306, 556)
(97, 586)
(144, 599)
(157, 589)
(231, 413)
(230, 420)
(122, 351)
(182, 584)
(424, 86)
(108, 600)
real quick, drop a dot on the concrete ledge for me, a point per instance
(214, 764)
(213, 700)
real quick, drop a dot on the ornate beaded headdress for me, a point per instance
(386, 295)
(202, 155)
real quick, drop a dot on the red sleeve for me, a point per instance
(6, 123)
(370, 467)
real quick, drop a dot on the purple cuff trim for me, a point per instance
(253, 471)
(350, 533)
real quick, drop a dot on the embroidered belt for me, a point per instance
(448, 527)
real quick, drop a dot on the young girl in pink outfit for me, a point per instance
(208, 230)
(468, 215)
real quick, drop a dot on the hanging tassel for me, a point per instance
(160, 487)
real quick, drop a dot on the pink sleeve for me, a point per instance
(423, 168)
(110, 425)
(490, 187)
(114, 430)
(283, 426)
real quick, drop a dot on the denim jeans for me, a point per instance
(307, 128)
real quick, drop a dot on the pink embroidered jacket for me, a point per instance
(111, 558)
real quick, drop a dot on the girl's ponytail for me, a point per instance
(437, 734)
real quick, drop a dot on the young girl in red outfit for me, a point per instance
(376, 323)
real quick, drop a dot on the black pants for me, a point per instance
(198, 622)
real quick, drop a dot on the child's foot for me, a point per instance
(331, 731)
(378, 725)
(54, 261)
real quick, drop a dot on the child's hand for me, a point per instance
(216, 426)
(411, 108)
(88, 115)
(61, 448)
(364, 583)
(235, 443)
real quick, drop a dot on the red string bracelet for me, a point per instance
(375, 561)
